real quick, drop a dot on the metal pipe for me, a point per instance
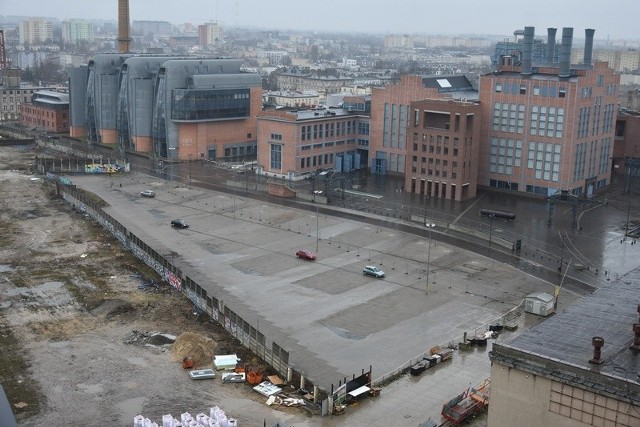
(565, 52)
(588, 45)
(551, 44)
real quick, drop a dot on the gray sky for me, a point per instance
(616, 19)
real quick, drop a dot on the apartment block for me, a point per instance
(35, 31)
(292, 144)
(442, 156)
(550, 126)
(75, 31)
(210, 34)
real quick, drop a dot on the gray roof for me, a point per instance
(449, 83)
(561, 346)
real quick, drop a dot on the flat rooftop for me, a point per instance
(561, 347)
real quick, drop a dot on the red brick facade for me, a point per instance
(544, 133)
(443, 149)
(54, 120)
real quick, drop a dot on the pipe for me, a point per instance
(551, 44)
(527, 51)
(588, 45)
(565, 52)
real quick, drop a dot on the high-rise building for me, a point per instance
(35, 31)
(210, 34)
(549, 126)
(75, 31)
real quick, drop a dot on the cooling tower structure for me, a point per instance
(124, 39)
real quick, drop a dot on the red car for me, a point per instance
(305, 254)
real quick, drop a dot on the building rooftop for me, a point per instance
(561, 347)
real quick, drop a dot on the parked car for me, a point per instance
(371, 270)
(306, 254)
(179, 223)
(148, 193)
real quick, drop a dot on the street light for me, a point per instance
(430, 226)
(317, 227)
(189, 169)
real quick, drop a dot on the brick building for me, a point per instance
(292, 144)
(391, 112)
(549, 127)
(442, 156)
(48, 110)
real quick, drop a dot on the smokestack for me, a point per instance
(551, 44)
(527, 51)
(123, 26)
(597, 343)
(588, 45)
(565, 52)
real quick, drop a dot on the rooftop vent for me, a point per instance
(597, 343)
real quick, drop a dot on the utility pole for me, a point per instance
(317, 227)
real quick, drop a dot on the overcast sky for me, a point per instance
(615, 19)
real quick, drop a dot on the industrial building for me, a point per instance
(15, 93)
(391, 115)
(578, 368)
(550, 126)
(173, 107)
(48, 110)
(294, 143)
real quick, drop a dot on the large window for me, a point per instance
(505, 155)
(546, 121)
(276, 157)
(544, 158)
(209, 104)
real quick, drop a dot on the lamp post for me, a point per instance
(430, 226)
(317, 227)
(189, 169)
(490, 229)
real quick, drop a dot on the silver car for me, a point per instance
(372, 270)
(148, 193)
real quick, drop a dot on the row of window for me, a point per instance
(327, 144)
(436, 150)
(548, 91)
(314, 161)
(435, 172)
(329, 130)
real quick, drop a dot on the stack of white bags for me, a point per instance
(216, 418)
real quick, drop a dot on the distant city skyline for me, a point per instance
(495, 17)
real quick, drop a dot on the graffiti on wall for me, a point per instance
(173, 280)
(106, 168)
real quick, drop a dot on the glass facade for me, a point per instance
(158, 126)
(209, 104)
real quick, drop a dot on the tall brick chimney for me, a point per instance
(124, 39)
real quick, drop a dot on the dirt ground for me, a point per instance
(78, 315)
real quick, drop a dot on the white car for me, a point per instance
(371, 270)
(148, 193)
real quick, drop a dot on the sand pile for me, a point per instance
(198, 347)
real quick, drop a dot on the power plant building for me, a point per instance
(549, 127)
(174, 107)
